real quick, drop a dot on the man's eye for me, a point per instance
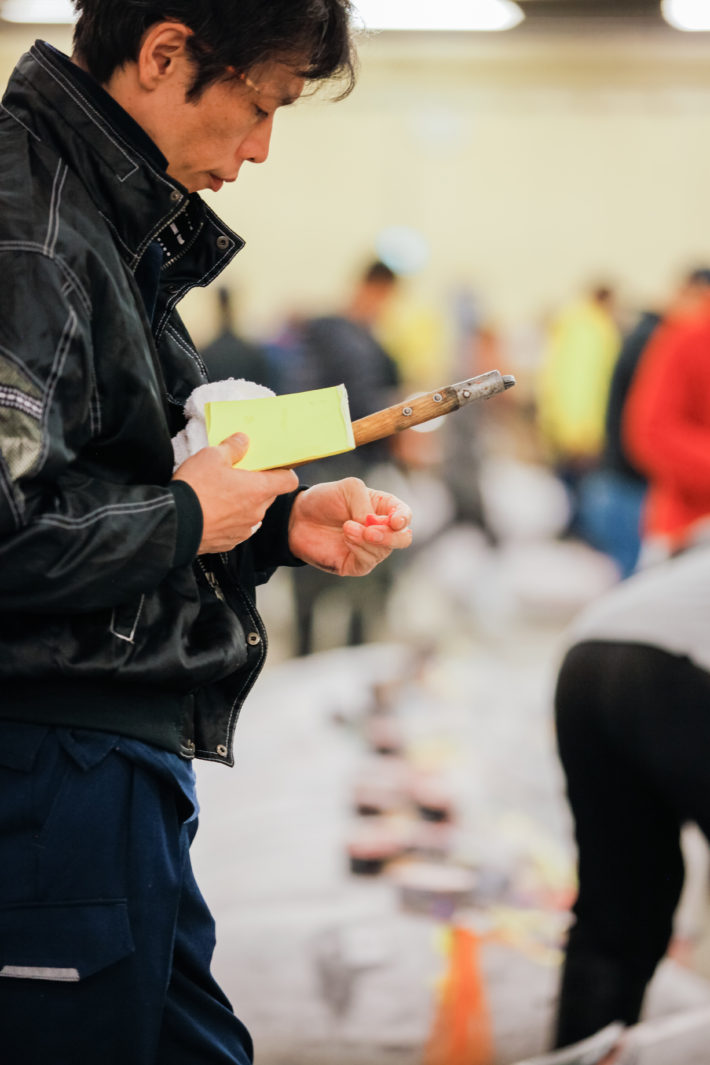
(260, 113)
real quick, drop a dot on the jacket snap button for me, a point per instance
(176, 196)
(222, 751)
(223, 243)
(253, 638)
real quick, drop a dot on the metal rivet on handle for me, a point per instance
(406, 411)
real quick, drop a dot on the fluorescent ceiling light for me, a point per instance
(439, 14)
(687, 14)
(375, 14)
(39, 11)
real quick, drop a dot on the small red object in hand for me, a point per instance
(377, 519)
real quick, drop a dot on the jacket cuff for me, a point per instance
(189, 522)
(271, 541)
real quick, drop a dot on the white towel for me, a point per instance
(194, 436)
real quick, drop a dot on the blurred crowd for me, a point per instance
(608, 403)
(595, 469)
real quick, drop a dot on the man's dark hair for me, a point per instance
(234, 35)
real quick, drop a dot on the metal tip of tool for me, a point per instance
(508, 380)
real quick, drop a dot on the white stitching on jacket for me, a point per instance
(53, 226)
(18, 400)
(65, 522)
(24, 370)
(14, 504)
(192, 352)
(88, 110)
(6, 109)
(27, 245)
(60, 356)
(94, 406)
(135, 257)
(71, 284)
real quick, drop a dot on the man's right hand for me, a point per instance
(233, 501)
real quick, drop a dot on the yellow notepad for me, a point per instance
(284, 430)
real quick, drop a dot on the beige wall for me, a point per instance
(529, 166)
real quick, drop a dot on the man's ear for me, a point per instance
(163, 54)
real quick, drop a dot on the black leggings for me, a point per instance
(633, 728)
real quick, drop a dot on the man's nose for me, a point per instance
(256, 148)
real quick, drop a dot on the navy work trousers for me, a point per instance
(105, 940)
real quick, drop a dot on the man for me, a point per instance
(128, 633)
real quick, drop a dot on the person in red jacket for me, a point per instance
(666, 425)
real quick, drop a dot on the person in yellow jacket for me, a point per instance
(573, 385)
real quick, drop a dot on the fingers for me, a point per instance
(391, 540)
(377, 536)
(397, 518)
(400, 516)
(234, 448)
(388, 509)
(386, 528)
(281, 481)
(233, 500)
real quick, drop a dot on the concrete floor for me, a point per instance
(328, 967)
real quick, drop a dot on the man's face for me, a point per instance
(206, 141)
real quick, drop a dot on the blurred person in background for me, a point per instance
(130, 635)
(478, 349)
(342, 348)
(632, 709)
(612, 497)
(632, 700)
(230, 354)
(582, 346)
(333, 349)
(666, 425)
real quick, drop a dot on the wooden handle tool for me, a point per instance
(431, 405)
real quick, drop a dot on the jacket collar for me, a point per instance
(120, 166)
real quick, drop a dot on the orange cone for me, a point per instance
(461, 1033)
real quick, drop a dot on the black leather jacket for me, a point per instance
(107, 620)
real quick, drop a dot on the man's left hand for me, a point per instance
(329, 527)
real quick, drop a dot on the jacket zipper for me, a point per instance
(211, 580)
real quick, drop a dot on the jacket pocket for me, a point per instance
(125, 618)
(64, 941)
